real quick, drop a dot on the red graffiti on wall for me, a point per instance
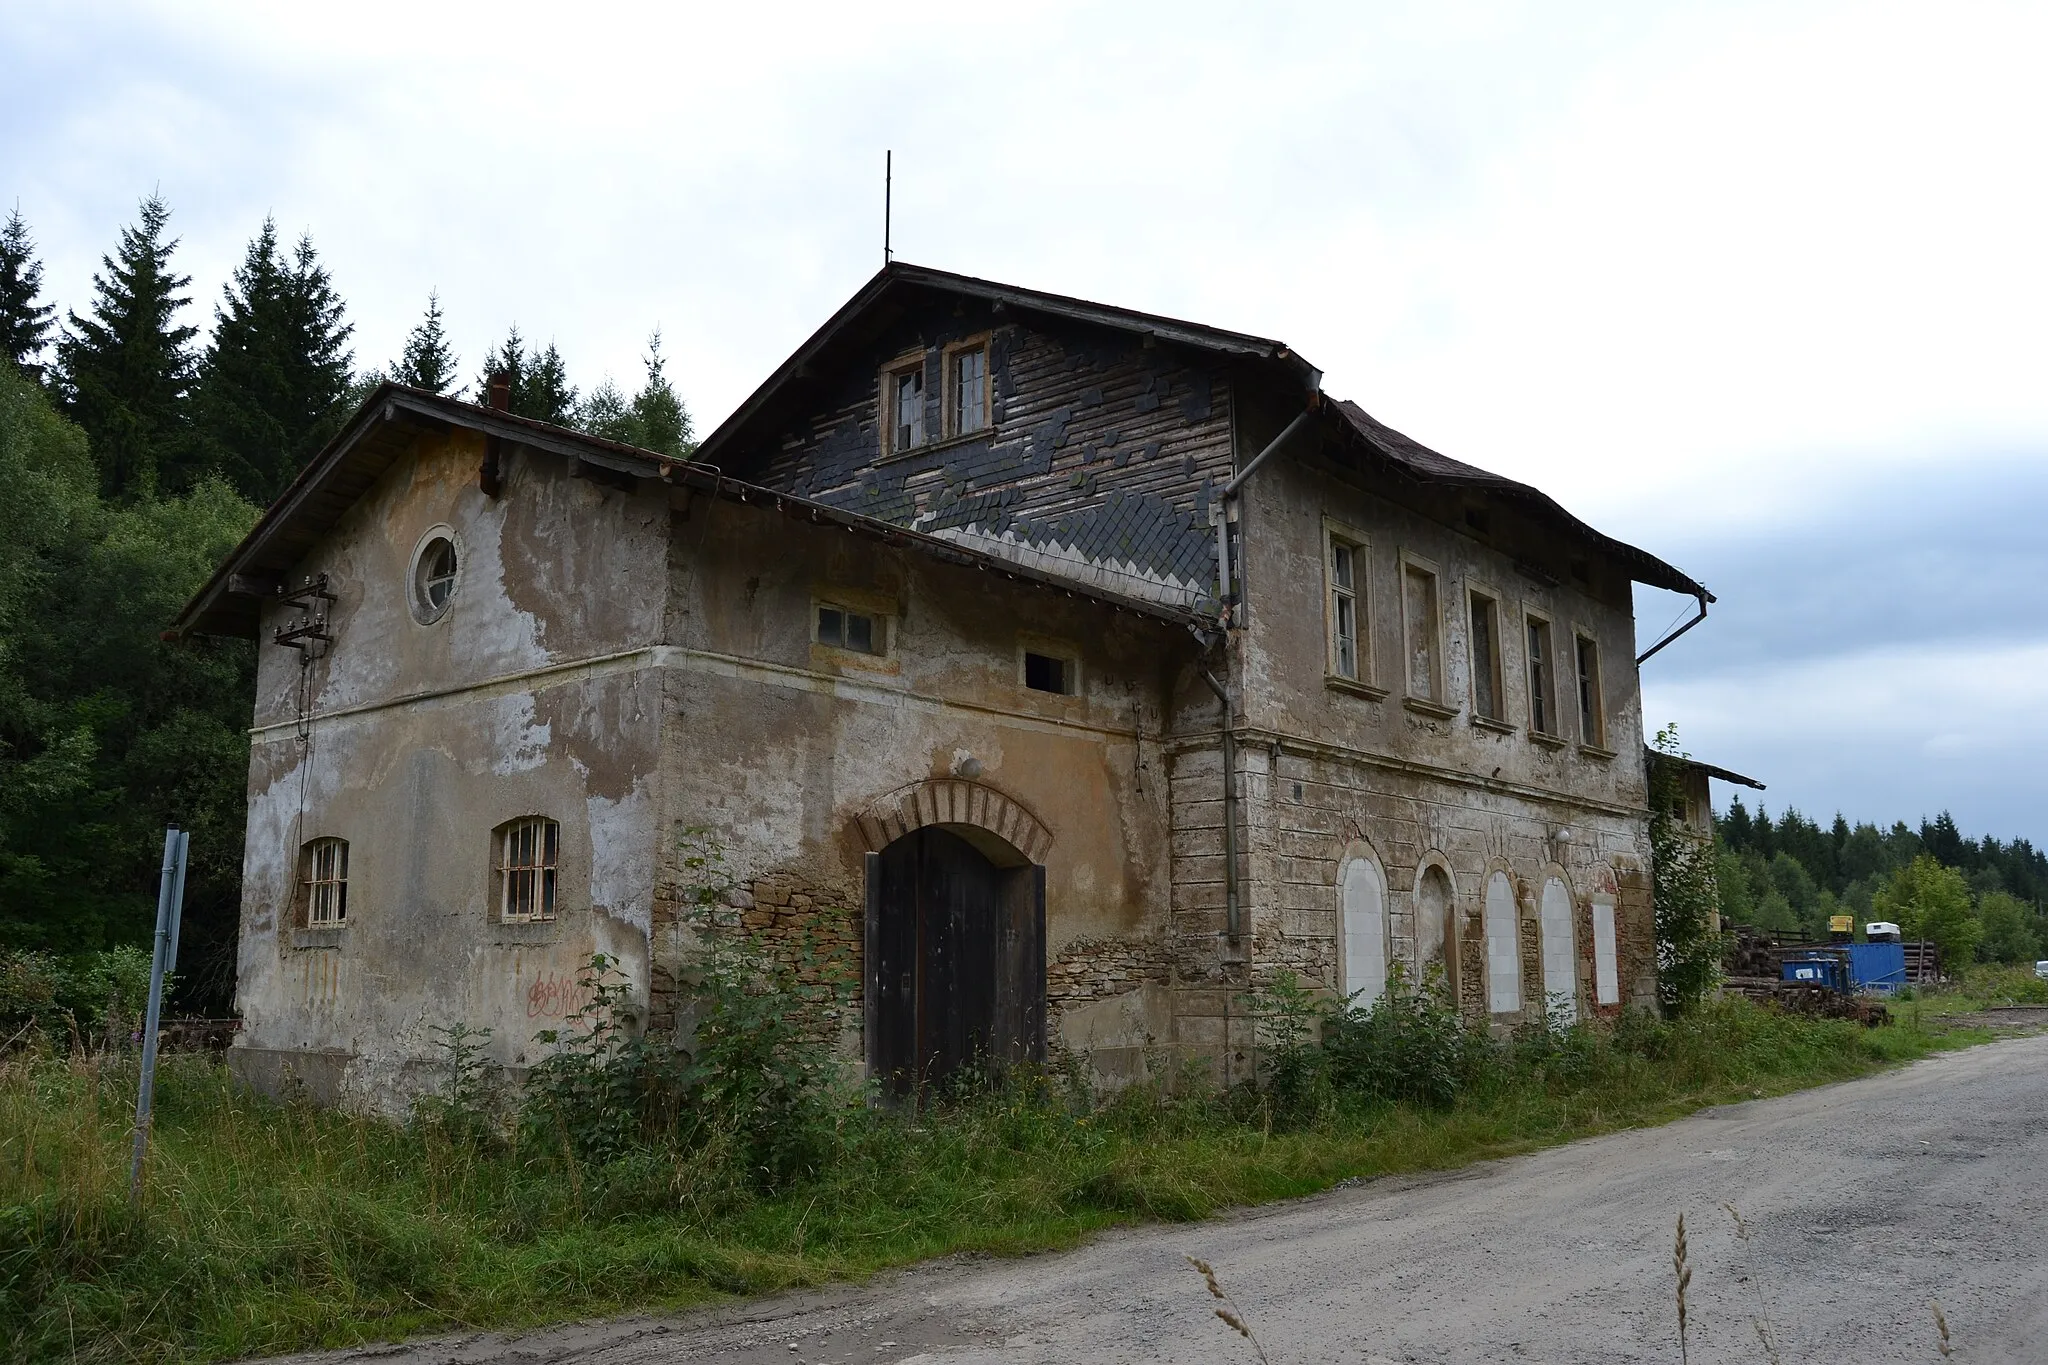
(553, 996)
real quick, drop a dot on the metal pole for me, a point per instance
(178, 901)
(888, 197)
(169, 904)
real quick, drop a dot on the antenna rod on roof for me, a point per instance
(888, 193)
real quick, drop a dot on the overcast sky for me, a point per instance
(1758, 287)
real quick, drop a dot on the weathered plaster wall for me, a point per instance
(784, 745)
(420, 741)
(1326, 767)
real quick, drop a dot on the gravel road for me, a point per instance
(1862, 1201)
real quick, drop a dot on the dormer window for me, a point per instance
(967, 405)
(903, 405)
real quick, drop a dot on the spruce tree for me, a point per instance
(662, 422)
(428, 362)
(276, 373)
(509, 359)
(123, 372)
(24, 323)
(548, 396)
(605, 412)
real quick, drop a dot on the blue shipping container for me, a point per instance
(1878, 966)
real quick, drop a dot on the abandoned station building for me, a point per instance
(1065, 669)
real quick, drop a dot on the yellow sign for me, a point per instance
(1841, 924)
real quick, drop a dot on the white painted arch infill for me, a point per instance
(1606, 970)
(1362, 923)
(1503, 956)
(1560, 975)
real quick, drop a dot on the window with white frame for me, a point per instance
(1486, 688)
(1425, 633)
(529, 854)
(1592, 715)
(323, 883)
(967, 382)
(1542, 688)
(1344, 568)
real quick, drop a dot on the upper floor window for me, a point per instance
(1344, 569)
(323, 883)
(1592, 715)
(1424, 631)
(1542, 691)
(1051, 673)
(903, 406)
(434, 566)
(859, 631)
(967, 380)
(1486, 688)
(529, 852)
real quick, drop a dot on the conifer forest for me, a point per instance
(138, 447)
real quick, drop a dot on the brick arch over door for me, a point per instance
(964, 807)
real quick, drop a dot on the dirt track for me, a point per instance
(1863, 1201)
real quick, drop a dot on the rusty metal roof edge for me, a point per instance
(388, 399)
(1711, 770)
(901, 272)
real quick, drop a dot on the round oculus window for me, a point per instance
(434, 567)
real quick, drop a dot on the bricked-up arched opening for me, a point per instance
(1436, 928)
(955, 970)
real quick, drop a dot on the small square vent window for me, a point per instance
(852, 630)
(1048, 673)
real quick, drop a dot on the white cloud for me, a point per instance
(1881, 734)
(1694, 268)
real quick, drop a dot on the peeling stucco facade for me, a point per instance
(631, 650)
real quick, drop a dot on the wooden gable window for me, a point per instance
(323, 883)
(967, 397)
(529, 853)
(903, 428)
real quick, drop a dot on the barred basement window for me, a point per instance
(323, 881)
(529, 850)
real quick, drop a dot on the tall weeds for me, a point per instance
(269, 1226)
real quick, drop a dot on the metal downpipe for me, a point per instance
(1232, 922)
(1704, 597)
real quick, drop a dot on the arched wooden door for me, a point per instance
(955, 961)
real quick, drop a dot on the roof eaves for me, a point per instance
(389, 400)
(1427, 466)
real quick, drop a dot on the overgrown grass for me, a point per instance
(266, 1227)
(1981, 987)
